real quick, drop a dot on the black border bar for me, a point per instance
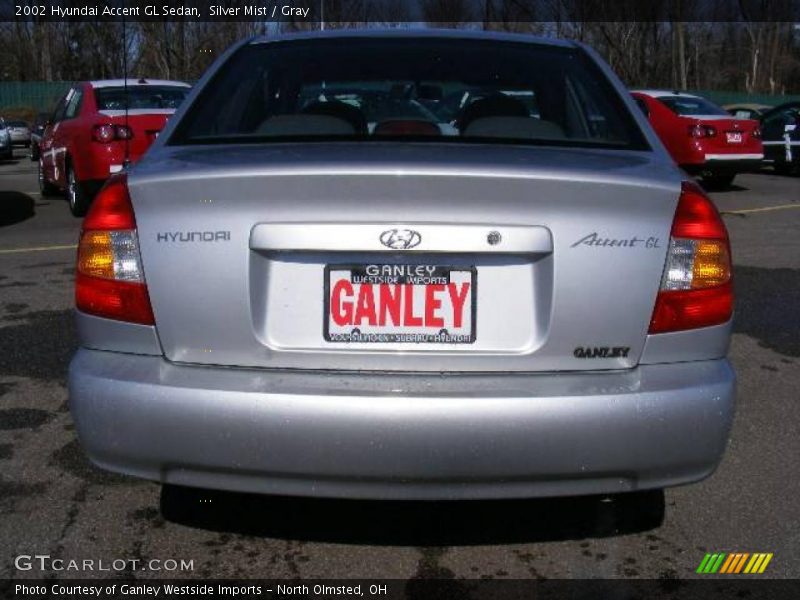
(735, 586)
(302, 14)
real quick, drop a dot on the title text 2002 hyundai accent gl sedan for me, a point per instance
(405, 265)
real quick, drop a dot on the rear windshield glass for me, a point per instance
(681, 105)
(409, 89)
(140, 96)
(16, 123)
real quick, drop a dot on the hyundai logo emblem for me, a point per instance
(400, 239)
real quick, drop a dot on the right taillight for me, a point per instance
(696, 289)
(110, 281)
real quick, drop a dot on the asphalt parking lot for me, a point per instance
(52, 501)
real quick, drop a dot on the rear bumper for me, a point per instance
(402, 436)
(98, 162)
(725, 163)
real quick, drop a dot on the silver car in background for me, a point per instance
(20, 133)
(410, 265)
(6, 148)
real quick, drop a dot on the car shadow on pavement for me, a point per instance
(406, 523)
(728, 189)
(721, 189)
(765, 301)
(15, 207)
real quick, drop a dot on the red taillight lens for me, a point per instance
(680, 310)
(696, 216)
(103, 133)
(122, 132)
(702, 131)
(119, 300)
(696, 289)
(108, 133)
(112, 208)
(110, 280)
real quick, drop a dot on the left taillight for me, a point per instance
(696, 289)
(109, 281)
(701, 131)
(107, 133)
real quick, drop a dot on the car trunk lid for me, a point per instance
(145, 124)
(732, 136)
(549, 259)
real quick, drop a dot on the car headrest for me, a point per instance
(513, 127)
(340, 110)
(298, 125)
(496, 105)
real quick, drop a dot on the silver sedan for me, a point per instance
(310, 285)
(19, 132)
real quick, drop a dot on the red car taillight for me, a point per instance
(103, 133)
(109, 133)
(406, 127)
(696, 289)
(122, 132)
(702, 131)
(110, 281)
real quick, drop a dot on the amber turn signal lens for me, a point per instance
(96, 254)
(712, 264)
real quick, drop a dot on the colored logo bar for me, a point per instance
(734, 563)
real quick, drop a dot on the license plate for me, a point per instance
(405, 304)
(733, 137)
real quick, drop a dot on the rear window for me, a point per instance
(404, 89)
(17, 124)
(691, 106)
(140, 96)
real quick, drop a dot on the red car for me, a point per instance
(90, 136)
(701, 137)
